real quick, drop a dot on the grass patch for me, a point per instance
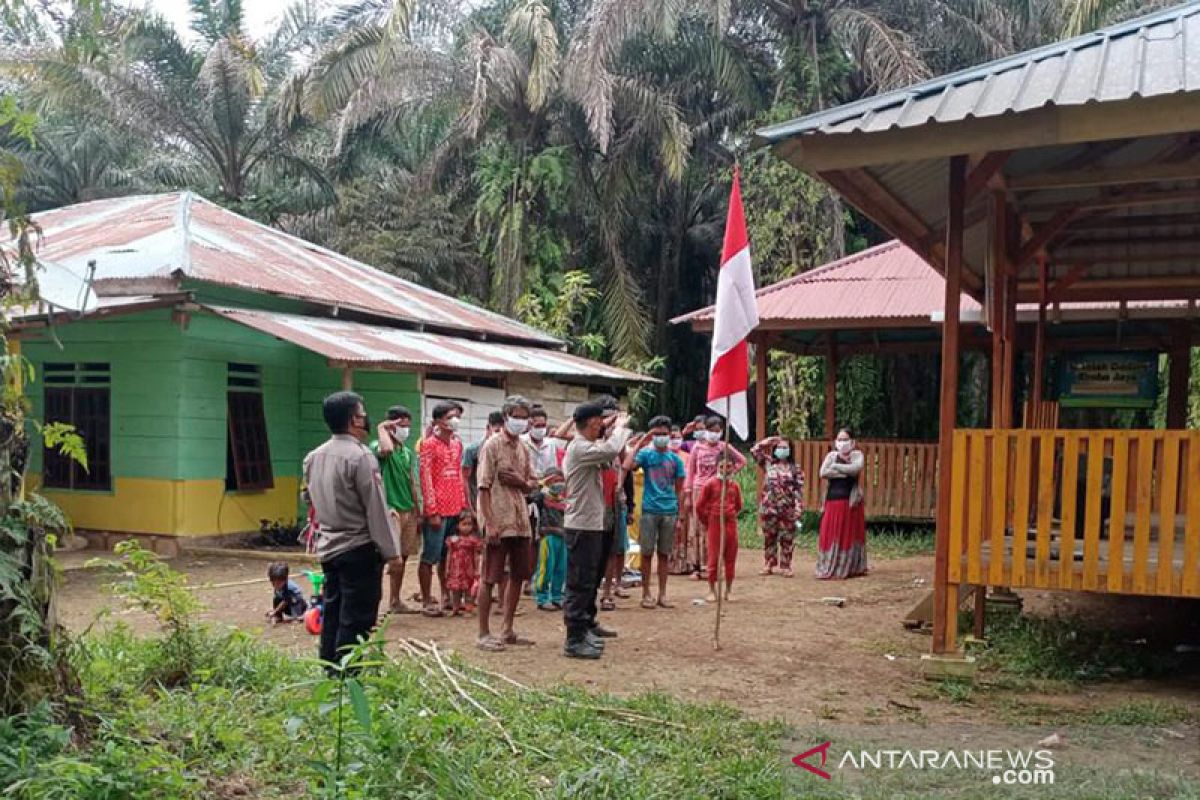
(1147, 713)
(246, 714)
(1068, 649)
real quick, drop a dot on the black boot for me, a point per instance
(581, 649)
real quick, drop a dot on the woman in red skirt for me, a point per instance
(842, 546)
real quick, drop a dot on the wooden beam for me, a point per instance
(831, 370)
(1116, 200)
(1045, 234)
(761, 353)
(997, 284)
(945, 606)
(1039, 346)
(1061, 285)
(1179, 366)
(347, 379)
(1164, 218)
(1096, 151)
(1105, 176)
(1012, 244)
(988, 166)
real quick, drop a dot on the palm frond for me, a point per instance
(888, 56)
(529, 28)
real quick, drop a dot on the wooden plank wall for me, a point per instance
(1080, 510)
(899, 481)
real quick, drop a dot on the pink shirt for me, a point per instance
(704, 464)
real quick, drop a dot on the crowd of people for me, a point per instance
(546, 512)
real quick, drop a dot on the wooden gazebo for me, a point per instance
(888, 300)
(1068, 173)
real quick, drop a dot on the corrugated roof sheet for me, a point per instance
(376, 346)
(158, 236)
(1145, 57)
(888, 282)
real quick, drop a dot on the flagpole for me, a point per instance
(721, 535)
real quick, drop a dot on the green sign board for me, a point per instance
(1108, 380)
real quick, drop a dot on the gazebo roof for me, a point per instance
(883, 286)
(889, 295)
(1094, 142)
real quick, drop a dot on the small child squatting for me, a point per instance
(288, 603)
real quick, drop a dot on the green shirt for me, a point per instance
(400, 476)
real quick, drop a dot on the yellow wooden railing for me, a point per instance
(1087, 510)
(899, 479)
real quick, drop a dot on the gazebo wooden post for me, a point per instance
(1012, 244)
(1038, 378)
(347, 379)
(945, 596)
(831, 368)
(1179, 366)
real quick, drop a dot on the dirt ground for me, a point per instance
(785, 654)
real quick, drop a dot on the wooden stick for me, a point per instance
(721, 534)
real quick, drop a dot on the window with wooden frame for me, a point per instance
(78, 395)
(247, 451)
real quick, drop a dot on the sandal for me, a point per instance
(621, 593)
(787, 573)
(766, 571)
(557, 606)
(648, 603)
(608, 604)
(665, 604)
(432, 610)
(491, 644)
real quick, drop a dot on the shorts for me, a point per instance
(512, 552)
(433, 540)
(657, 533)
(409, 526)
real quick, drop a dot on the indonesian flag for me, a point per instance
(736, 317)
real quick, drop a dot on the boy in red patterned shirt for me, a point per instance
(708, 511)
(444, 496)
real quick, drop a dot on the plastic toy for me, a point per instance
(316, 609)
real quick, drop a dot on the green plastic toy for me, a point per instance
(317, 579)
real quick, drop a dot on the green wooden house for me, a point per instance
(196, 373)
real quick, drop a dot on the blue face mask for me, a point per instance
(661, 442)
(698, 435)
(782, 452)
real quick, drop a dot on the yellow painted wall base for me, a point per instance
(177, 508)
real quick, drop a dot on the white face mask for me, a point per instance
(452, 423)
(516, 426)
(537, 433)
(844, 446)
(713, 436)
(401, 434)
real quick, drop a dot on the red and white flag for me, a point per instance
(736, 317)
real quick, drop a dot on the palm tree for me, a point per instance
(70, 163)
(214, 108)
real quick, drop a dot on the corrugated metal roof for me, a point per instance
(888, 282)
(891, 284)
(158, 236)
(376, 346)
(1145, 57)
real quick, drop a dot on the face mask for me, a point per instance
(516, 426)
(714, 436)
(844, 445)
(661, 442)
(676, 443)
(401, 434)
(699, 435)
(782, 452)
(537, 433)
(452, 423)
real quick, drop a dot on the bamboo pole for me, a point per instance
(721, 536)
